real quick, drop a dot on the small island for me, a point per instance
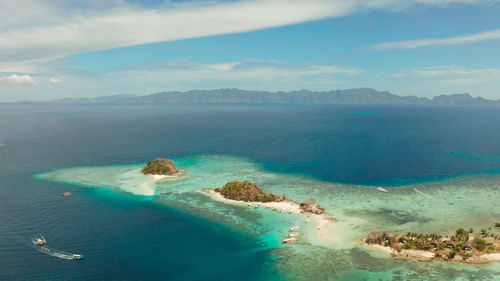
(464, 246)
(161, 167)
(246, 191)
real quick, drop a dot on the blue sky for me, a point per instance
(94, 48)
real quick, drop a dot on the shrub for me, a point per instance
(452, 254)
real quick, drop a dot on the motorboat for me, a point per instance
(294, 228)
(38, 240)
(380, 189)
(290, 241)
(77, 256)
(294, 234)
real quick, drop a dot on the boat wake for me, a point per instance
(53, 252)
(56, 253)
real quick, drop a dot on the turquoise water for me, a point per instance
(438, 207)
(440, 165)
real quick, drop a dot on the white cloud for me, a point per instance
(15, 79)
(51, 30)
(457, 40)
(454, 74)
(188, 73)
(55, 80)
(126, 26)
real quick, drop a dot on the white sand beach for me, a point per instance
(326, 227)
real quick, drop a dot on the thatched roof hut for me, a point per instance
(403, 239)
(467, 246)
(386, 236)
(451, 244)
(434, 243)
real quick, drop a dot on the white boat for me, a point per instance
(38, 240)
(307, 220)
(294, 234)
(290, 241)
(380, 189)
(77, 256)
(294, 228)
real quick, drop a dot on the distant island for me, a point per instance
(160, 167)
(348, 96)
(464, 246)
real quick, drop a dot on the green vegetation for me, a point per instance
(452, 254)
(246, 191)
(480, 243)
(458, 244)
(160, 166)
(497, 224)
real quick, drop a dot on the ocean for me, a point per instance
(335, 154)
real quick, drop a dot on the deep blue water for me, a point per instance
(126, 238)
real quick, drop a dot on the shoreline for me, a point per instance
(161, 177)
(421, 255)
(146, 188)
(323, 222)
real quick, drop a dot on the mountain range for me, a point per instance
(349, 96)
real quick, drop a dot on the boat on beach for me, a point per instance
(380, 189)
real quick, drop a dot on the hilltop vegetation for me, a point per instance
(246, 191)
(160, 166)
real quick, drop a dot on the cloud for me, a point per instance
(51, 30)
(457, 40)
(15, 79)
(55, 80)
(454, 74)
(127, 26)
(183, 74)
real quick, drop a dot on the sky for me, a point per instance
(51, 49)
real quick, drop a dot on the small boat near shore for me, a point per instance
(293, 234)
(294, 228)
(290, 241)
(66, 194)
(380, 189)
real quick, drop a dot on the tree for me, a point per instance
(480, 243)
